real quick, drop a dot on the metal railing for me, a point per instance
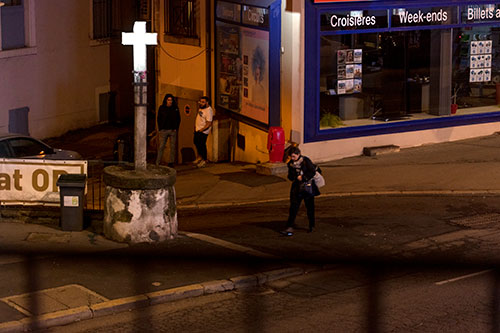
(95, 186)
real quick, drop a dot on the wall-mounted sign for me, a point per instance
(229, 11)
(480, 13)
(256, 16)
(408, 17)
(354, 20)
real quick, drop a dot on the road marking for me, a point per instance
(462, 277)
(229, 245)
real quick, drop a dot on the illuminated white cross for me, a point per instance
(139, 39)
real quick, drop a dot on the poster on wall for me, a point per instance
(243, 71)
(480, 61)
(255, 54)
(349, 71)
(229, 69)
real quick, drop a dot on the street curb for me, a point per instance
(342, 195)
(69, 316)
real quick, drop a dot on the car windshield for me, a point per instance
(4, 151)
(27, 147)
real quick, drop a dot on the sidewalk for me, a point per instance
(462, 167)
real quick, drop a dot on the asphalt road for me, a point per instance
(385, 255)
(340, 300)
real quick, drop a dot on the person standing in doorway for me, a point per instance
(300, 170)
(203, 124)
(169, 119)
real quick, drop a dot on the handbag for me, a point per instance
(309, 188)
(319, 180)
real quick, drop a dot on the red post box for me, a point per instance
(276, 144)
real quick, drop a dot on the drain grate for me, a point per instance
(484, 221)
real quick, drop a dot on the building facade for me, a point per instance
(52, 73)
(339, 76)
(63, 66)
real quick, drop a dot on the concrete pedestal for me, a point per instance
(140, 206)
(272, 169)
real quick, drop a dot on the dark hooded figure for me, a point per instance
(169, 119)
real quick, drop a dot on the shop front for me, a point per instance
(385, 68)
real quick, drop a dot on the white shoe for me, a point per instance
(202, 164)
(197, 160)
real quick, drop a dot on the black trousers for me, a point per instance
(295, 200)
(200, 142)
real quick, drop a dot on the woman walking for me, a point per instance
(300, 171)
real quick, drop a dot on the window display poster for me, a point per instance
(341, 72)
(349, 71)
(477, 75)
(349, 86)
(341, 55)
(229, 68)
(487, 75)
(255, 53)
(480, 61)
(488, 46)
(358, 70)
(341, 87)
(358, 56)
(349, 59)
(357, 85)
(473, 48)
(487, 60)
(480, 47)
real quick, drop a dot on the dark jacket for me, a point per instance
(308, 171)
(169, 118)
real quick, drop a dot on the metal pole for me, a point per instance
(140, 101)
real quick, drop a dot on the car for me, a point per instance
(23, 146)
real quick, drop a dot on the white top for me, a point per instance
(203, 116)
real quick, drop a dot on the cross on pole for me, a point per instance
(139, 39)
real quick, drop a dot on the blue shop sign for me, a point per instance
(480, 13)
(354, 20)
(419, 17)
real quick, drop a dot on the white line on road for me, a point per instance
(462, 277)
(228, 245)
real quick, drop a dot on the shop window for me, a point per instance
(374, 78)
(12, 25)
(476, 69)
(181, 21)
